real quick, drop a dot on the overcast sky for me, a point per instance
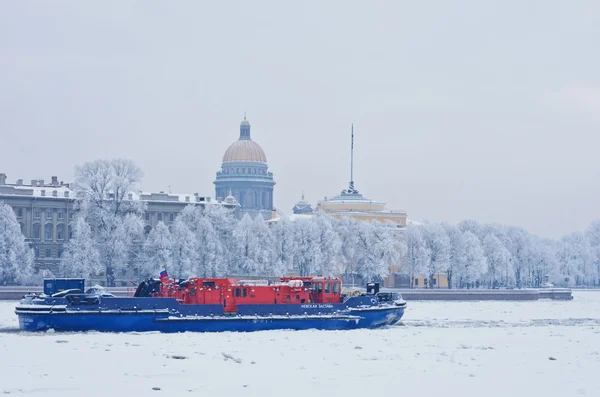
(480, 109)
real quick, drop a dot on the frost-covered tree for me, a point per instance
(498, 259)
(223, 222)
(593, 236)
(102, 188)
(576, 261)
(438, 245)
(347, 230)
(470, 225)
(475, 263)
(213, 257)
(308, 251)
(329, 244)
(284, 247)
(542, 260)
(185, 250)
(519, 243)
(81, 257)
(157, 252)
(16, 259)
(253, 246)
(456, 253)
(417, 253)
(378, 248)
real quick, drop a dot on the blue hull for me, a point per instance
(166, 315)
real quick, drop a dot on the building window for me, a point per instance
(171, 217)
(160, 216)
(36, 231)
(36, 252)
(48, 252)
(36, 214)
(59, 253)
(48, 214)
(61, 215)
(60, 232)
(147, 215)
(48, 231)
(22, 226)
(147, 229)
(20, 212)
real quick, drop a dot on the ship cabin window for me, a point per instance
(336, 288)
(319, 288)
(243, 292)
(240, 292)
(297, 297)
(236, 292)
(326, 288)
(208, 283)
(287, 297)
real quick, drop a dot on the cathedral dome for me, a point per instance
(245, 149)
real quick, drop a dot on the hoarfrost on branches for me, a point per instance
(456, 253)
(253, 246)
(417, 254)
(102, 188)
(16, 258)
(157, 251)
(475, 263)
(81, 257)
(498, 258)
(438, 245)
(285, 247)
(185, 250)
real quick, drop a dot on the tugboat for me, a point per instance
(209, 305)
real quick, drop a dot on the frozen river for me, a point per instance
(442, 348)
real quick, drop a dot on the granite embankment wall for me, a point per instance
(15, 293)
(484, 294)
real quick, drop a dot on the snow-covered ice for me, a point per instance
(442, 348)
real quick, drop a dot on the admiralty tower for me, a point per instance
(244, 175)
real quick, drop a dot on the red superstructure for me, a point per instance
(230, 292)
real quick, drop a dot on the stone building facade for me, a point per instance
(245, 175)
(45, 211)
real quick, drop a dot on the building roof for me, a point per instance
(245, 150)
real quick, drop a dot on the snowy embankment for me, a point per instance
(444, 348)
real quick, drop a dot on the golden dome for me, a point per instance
(245, 150)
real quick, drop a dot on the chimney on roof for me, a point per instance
(2, 179)
(54, 181)
(43, 192)
(33, 183)
(19, 182)
(187, 199)
(54, 193)
(66, 193)
(41, 182)
(130, 196)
